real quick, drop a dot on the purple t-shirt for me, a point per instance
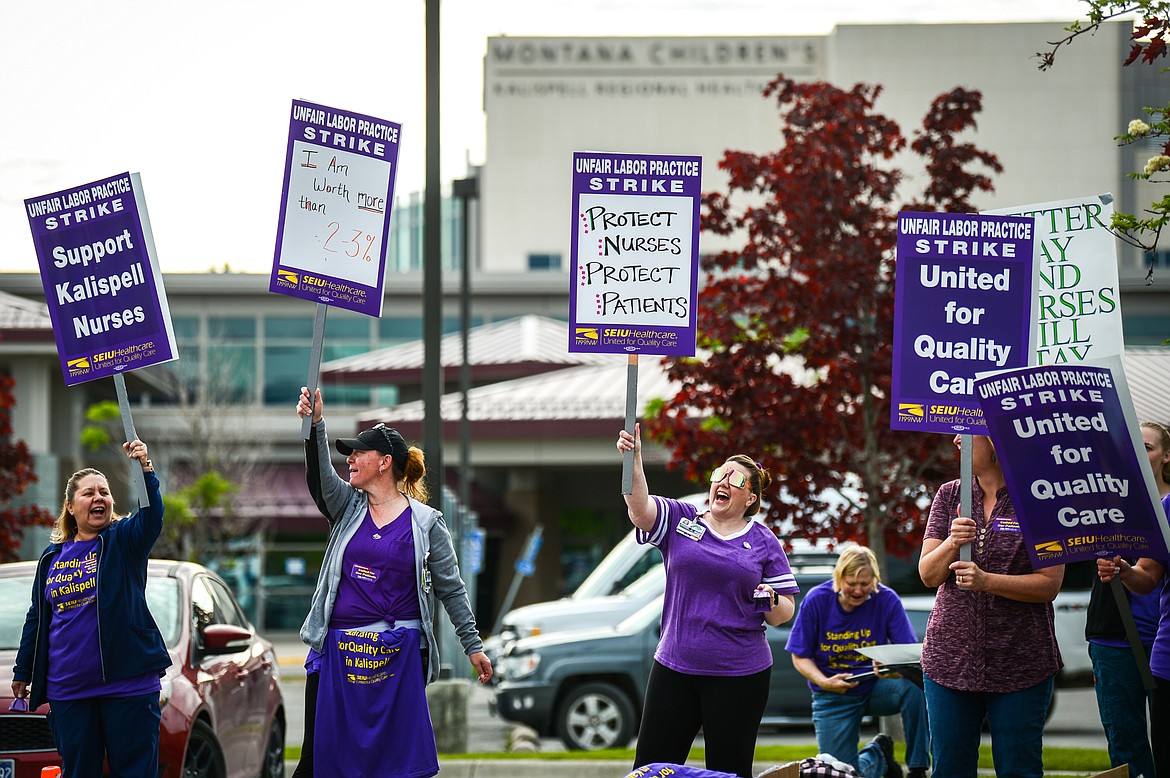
(1160, 656)
(977, 641)
(377, 575)
(830, 635)
(75, 668)
(709, 622)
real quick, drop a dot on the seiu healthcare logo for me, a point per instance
(911, 412)
(586, 336)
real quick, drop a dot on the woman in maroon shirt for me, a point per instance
(990, 646)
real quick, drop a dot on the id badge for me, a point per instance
(363, 573)
(691, 529)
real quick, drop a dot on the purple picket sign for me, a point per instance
(334, 227)
(101, 279)
(634, 253)
(962, 306)
(1067, 441)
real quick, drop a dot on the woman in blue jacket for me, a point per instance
(90, 646)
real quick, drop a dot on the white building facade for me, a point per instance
(545, 98)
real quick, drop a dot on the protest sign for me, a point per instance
(1074, 461)
(634, 253)
(335, 208)
(963, 292)
(1077, 313)
(102, 283)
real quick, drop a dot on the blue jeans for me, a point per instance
(837, 718)
(1017, 729)
(1122, 701)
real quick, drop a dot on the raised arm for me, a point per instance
(329, 491)
(148, 521)
(641, 507)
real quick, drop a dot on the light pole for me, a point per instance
(432, 267)
(465, 190)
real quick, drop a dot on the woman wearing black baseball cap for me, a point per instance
(369, 628)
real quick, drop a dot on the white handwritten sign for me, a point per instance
(335, 208)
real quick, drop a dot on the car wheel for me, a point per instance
(204, 757)
(274, 752)
(594, 716)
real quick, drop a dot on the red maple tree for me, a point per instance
(796, 325)
(16, 473)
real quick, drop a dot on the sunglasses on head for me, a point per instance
(734, 477)
(381, 427)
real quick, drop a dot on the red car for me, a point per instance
(222, 705)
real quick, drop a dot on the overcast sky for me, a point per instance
(196, 97)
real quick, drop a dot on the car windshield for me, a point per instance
(162, 597)
(623, 565)
(15, 597)
(651, 582)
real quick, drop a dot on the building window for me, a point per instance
(184, 372)
(229, 372)
(1160, 258)
(1145, 330)
(216, 364)
(287, 342)
(396, 331)
(290, 327)
(405, 244)
(384, 395)
(285, 368)
(544, 261)
(392, 330)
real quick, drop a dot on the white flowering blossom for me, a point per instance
(1138, 128)
(1160, 162)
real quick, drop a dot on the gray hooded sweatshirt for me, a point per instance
(435, 565)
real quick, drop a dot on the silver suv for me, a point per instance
(586, 686)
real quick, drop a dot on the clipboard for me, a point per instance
(894, 653)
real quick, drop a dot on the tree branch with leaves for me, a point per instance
(1144, 230)
(796, 324)
(17, 473)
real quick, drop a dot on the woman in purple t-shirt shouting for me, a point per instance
(713, 664)
(990, 646)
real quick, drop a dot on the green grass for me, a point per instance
(1085, 761)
